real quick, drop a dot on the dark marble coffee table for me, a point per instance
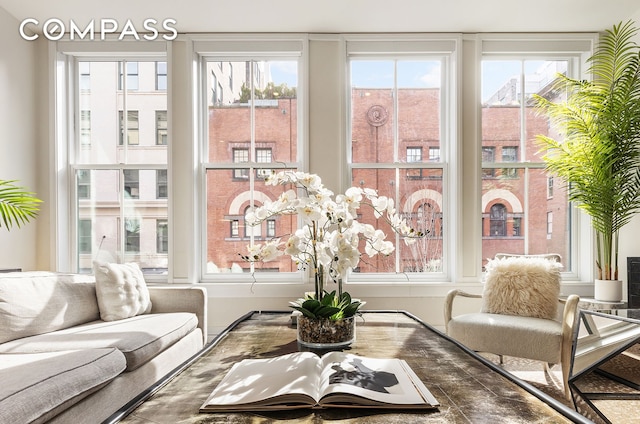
(469, 388)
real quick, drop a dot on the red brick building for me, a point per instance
(522, 210)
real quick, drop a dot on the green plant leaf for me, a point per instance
(351, 309)
(329, 298)
(326, 311)
(597, 153)
(311, 305)
(17, 205)
(304, 311)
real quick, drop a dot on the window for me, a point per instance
(263, 155)
(133, 136)
(85, 127)
(241, 155)
(162, 236)
(488, 156)
(162, 188)
(161, 127)
(498, 221)
(235, 228)
(517, 223)
(122, 188)
(254, 130)
(132, 75)
(132, 183)
(434, 154)
(509, 154)
(398, 109)
(132, 233)
(85, 236)
(84, 184)
(549, 223)
(271, 228)
(414, 154)
(510, 125)
(161, 76)
(402, 115)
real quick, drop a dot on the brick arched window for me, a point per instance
(498, 220)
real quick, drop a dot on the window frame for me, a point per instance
(447, 48)
(190, 270)
(575, 49)
(234, 48)
(65, 57)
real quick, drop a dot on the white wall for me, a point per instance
(19, 93)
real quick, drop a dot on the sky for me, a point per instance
(413, 74)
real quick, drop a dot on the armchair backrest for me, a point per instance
(551, 256)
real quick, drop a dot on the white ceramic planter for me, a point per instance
(608, 290)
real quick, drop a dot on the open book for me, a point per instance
(305, 380)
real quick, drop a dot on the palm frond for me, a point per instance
(17, 205)
(597, 154)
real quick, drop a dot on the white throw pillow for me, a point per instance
(523, 286)
(121, 290)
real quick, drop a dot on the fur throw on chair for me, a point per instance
(527, 286)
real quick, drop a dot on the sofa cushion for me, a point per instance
(121, 290)
(35, 387)
(503, 335)
(139, 338)
(39, 302)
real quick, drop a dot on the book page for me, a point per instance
(375, 382)
(254, 380)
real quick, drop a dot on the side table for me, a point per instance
(603, 368)
(591, 304)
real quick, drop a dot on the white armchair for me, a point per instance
(522, 314)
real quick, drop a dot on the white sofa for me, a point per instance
(59, 362)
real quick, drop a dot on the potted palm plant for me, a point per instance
(17, 205)
(598, 151)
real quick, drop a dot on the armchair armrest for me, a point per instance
(181, 299)
(448, 302)
(569, 316)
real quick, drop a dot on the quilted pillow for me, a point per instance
(526, 286)
(121, 290)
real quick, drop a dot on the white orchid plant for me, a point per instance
(329, 239)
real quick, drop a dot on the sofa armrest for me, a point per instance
(181, 299)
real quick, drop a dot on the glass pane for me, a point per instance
(103, 235)
(419, 201)
(372, 111)
(407, 91)
(418, 108)
(230, 87)
(523, 210)
(228, 201)
(229, 111)
(276, 112)
(101, 136)
(99, 211)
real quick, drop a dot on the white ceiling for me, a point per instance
(328, 16)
